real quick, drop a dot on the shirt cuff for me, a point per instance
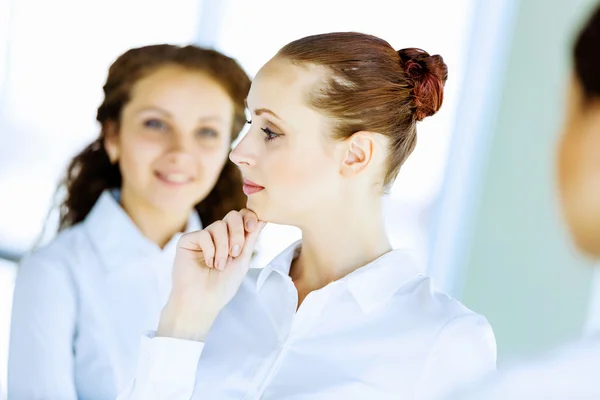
(167, 367)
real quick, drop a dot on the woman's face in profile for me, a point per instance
(172, 140)
(288, 149)
(579, 169)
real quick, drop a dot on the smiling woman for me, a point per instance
(170, 155)
(158, 168)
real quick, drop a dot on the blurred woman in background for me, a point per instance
(573, 372)
(158, 168)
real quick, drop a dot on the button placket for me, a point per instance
(270, 367)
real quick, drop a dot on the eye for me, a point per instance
(207, 132)
(156, 124)
(269, 134)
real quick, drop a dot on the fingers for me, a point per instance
(251, 239)
(234, 236)
(219, 233)
(235, 227)
(245, 227)
(207, 246)
(250, 219)
(199, 241)
(253, 226)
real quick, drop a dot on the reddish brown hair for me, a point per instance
(91, 172)
(373, 87)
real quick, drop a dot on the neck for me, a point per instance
(156, 225)
(338, 243)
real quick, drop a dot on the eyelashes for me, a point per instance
(154, 123)
(269, 134)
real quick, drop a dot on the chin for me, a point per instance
(265, 213)
(587, 239)
(261, 214)
(173, 205)
(590, 248)
(583, 220)
(291, 210)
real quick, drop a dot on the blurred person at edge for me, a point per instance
(573, 371)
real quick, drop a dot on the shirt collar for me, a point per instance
(280, 264)
(117, 238)
(371, 285)
(374, 284)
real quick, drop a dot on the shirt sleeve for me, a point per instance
(40, 363)
(166, 369)
(464, 352)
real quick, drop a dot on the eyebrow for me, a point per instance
(259, 111)
(168, 114)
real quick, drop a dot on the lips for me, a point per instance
(251, 187)
(174, 178)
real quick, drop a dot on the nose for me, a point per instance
(241, 155)
(179, 149)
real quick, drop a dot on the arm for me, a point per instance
(168, 360)
(208, 270)
(465, 351)
(166, 369)
(43, 322)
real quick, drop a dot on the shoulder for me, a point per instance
(60, 253)
(457, 336)
(48, 276)
(436, 307)
(462, 348)
(458, 319)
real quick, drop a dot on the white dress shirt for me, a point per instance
(381, 332)
(81, 304)
(572, 373)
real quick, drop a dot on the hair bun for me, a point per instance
(428, 75)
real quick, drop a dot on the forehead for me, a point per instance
(174, 84)
(283, 86)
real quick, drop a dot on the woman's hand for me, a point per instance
(209, 268)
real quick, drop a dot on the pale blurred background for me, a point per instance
(475, 201)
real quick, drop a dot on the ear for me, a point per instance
(111, 141)
(358, 153)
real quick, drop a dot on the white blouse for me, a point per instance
(81, 304)
(381, 332)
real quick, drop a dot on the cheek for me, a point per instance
(137, 156)
(306, 176)
(569, 162)
(210, 161)
(580, 185)
(569, 174)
